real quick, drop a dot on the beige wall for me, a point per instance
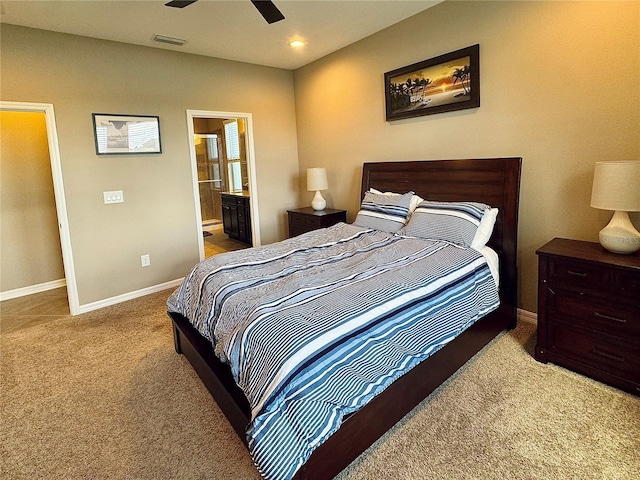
(559, 87)
(30, 252)
(80, 76)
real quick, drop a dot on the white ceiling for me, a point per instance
(234, 29)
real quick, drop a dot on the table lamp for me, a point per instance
(616, 186)
(316, 181)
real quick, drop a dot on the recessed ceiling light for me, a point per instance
(297, 43)
(166, 39)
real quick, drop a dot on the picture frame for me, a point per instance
(444, 83)
(121, 134)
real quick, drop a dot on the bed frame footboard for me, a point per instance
(215, 375)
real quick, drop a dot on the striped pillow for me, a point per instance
(455, 222)
(415, 199)
(386, 213)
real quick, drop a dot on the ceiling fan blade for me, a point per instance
(180, 3)
(268, 10)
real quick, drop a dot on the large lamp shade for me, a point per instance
(616, 186)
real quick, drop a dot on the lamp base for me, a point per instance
(318, 203)
(620, 236)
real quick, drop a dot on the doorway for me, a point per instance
(58, 210)
(224, 181)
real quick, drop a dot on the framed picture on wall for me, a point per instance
(441, 84)
(126, 134)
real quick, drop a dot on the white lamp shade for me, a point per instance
(616, 186)
(317, 179)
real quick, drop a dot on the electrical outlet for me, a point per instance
(145, 260)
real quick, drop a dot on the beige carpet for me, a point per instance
(104, 396)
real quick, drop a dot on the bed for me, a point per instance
(494, 182)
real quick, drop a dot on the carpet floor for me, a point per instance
(103, 395)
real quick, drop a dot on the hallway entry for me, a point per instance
(36, 246)
(31, 251)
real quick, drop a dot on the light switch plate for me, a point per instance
(114, 196)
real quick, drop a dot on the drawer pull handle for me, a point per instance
(577, 274)
(610, 356)
(607, 317)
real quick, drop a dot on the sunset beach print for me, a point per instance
(443, 84)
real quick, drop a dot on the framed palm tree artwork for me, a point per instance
(441, 84)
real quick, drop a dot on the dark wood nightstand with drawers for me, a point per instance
(589, 311)
(302, 220)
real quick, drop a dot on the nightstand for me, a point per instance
(302, 220)
(589, 311)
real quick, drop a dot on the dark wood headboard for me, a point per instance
(494, 181)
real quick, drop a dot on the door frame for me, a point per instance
(251, 167)
(58, 190)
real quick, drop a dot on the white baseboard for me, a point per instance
(528, 317)
(128, 296)
(30, 290)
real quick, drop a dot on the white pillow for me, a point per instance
(485, 229)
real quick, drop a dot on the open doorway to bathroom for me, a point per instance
(223, 165)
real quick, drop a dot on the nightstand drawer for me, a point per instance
(304, 220)
(578, 276)
(618, 358)
(627, 284)
(609, 318)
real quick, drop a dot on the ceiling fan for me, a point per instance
(266, 8)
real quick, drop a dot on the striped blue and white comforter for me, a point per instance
(315, 326)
